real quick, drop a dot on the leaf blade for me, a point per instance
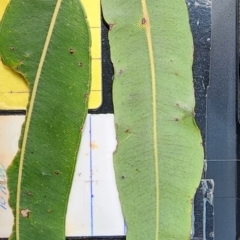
(54, 127)
(175, 176)
(29, 115)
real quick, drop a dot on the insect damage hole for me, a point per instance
(111, 26)
(25, 213)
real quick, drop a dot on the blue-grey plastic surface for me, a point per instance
(222, 122)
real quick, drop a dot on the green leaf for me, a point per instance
(47, 41)
(159, 158)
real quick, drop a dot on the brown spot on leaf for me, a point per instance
(127, 131)
(86, 95)
(29, 193)
(71, 51)
(25, 213)
(144, 21)
(176, 119)
(12, 48)
(123, 177)
(57, 172)
(80, 64)
(176, 74)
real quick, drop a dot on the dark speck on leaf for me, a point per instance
(12, 48)
(71, 51)
(80, 64)
(123, 177)
(144, 21)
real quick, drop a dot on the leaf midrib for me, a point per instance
(154, 105)
(29, 112)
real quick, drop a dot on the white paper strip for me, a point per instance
(10, 127)
(94, 208)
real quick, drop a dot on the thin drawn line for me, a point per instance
(91, 186)
(222, 160)
(13, 92)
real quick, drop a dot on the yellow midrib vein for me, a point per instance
(154, 105)
(29, 114)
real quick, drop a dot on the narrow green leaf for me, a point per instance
(159, 158)
(47, 41)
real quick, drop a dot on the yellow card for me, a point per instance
(13, 88)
